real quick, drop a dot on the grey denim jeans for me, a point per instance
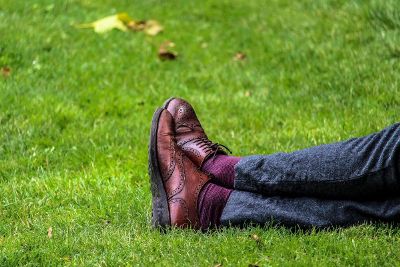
(337, 184)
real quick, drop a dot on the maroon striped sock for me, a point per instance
(211, 203)
(222, 167)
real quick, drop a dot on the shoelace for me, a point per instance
(209, 146)
(203, 142)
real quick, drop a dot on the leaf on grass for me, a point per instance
(165, 53)
(118, 21)
(50, 232)
(255, 237)
(123, 22)
(150, 27)
(153, 27)
(239, 56)
(137, 25)
(5, 71)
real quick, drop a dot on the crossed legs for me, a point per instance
(338, 184)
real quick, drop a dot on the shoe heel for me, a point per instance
(160, 209)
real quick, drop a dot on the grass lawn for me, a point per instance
(75, 115)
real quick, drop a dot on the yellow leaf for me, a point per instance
(109, 23)
(152, 27)
(124, 17)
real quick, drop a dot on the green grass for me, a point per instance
(76, 109)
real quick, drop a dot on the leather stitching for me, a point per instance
(192, 150)
(182, 175)
(172, 162)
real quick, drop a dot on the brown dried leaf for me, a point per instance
(164, 52)
(137, 25)
(5, 71)
(167, 55)
(239, 56)
(50, 232)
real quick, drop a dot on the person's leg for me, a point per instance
(182, 195)
(210, 157)
(359, 168)
(222, 169)
(244, 208)
(211, 203)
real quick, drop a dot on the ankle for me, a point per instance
(211, 203)
(222, 167)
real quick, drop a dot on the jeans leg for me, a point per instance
(245, 207)
(360, 168)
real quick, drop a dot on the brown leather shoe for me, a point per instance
(175, 180)
(189, 134)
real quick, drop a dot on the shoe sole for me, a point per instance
(160, 209)
(166, 103)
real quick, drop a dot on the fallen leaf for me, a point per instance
(167, 55)
(247, 93)
(118, 21)
(123, 22)
(239, 56)
(5, 71)
(137, 25)
(152, 27)
(164, 52)
(218, 265)
(255, 237)
(50, 232)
